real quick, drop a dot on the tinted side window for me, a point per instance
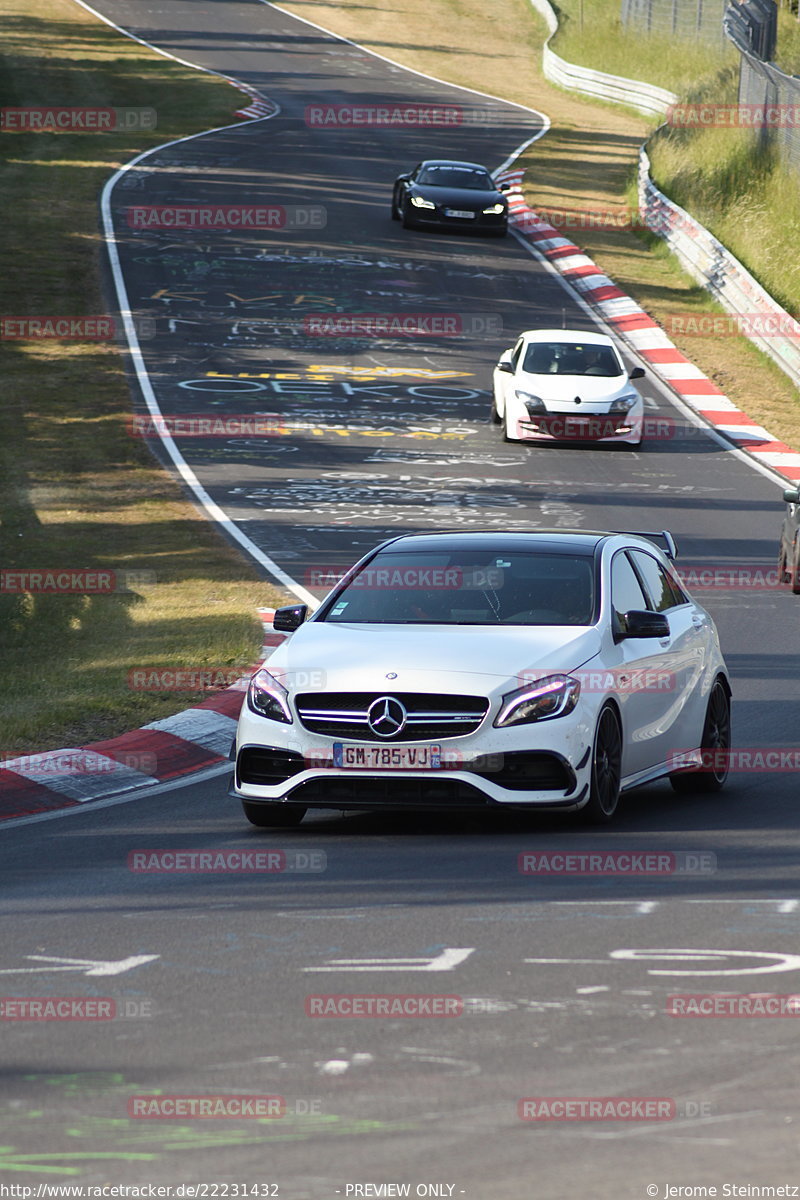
(626, 591)
(516, 354)
(657, 582)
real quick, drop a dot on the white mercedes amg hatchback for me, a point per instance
(488, 670)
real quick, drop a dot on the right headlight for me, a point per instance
(269, 698)
(534, 404)
(554, 696)
(419, 202)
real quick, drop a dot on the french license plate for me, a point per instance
(458, 212)
(387, 758)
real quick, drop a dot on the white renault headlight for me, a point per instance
(624, 403)
(554, 696)
(418, 202)
(269, 698)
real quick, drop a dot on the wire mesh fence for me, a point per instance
(768, 98)
(691, 19)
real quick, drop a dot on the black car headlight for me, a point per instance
(268, 698)
(534, 404)
(494, 210)
(554, 696)
(420, 202)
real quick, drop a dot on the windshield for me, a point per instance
(457, 177)
(519, 588)
(571, 358)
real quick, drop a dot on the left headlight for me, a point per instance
(269, 698)
(495, 210)
(419, 202)
(624, 403)
(554, 696)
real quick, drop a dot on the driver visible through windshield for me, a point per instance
(445, 589)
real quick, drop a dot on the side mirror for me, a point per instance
(636, 373)
(402, 179)
(504, 187)
(287, 619)
(640, 623)
(792, 496)
(505, 366)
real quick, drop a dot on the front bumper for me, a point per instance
(591, 428)
(541, 766)
(481, 222)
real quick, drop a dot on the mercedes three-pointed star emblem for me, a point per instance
(386, 716)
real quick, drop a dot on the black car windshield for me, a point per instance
(469, 588)
(571, 358)
(457, 177)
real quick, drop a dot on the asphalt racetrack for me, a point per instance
(563, 980)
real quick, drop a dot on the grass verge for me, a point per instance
(586, 162)
(593, 35)
(75, 490)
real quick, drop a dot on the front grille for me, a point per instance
(263, 765)
(430, 717)
(377, 792)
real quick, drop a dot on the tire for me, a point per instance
(406, 219)
(606, 769)
(495, 415)
(794, 573)
(273, 815)
(395, 209)
(716, 737)
(783, 574)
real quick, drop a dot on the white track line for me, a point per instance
(209, 506)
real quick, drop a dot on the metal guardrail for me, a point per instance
(654, 101)
(699, 252)
(720, 273)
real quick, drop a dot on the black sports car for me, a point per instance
(453, 194)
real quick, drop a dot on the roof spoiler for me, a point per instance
(664, 535)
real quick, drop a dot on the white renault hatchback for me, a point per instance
(566, 385)
(488, 670)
